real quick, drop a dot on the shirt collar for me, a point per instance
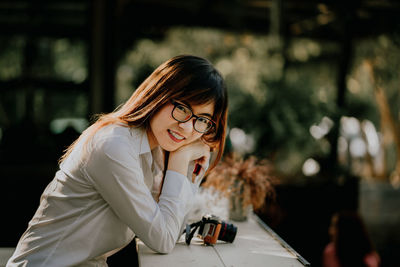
(140, 139)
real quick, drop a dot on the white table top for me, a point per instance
(255, 245)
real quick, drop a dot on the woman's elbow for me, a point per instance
(161, 239)
(164, 251)
(165, 248)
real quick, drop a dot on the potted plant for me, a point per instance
(247, 183)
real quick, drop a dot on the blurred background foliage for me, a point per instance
(282, 101)
(38, 100)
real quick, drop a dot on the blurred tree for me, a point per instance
(374, 95)
(278, 97)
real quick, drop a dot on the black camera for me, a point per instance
(211, 229)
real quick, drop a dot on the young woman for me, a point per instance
(350, 245)
(132, 173)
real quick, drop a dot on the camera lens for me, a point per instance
(228, 232)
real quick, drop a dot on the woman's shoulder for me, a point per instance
(117, 130)
(117, 135)
(112, 130)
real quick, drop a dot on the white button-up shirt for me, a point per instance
(98, 201)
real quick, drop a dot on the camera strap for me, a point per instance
(189, 234)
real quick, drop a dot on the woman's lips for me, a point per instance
(175, 136)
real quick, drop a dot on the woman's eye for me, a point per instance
(203, 120)
(181, 108)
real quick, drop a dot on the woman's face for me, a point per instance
(170, 134)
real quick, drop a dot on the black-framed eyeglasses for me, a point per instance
(183, 113)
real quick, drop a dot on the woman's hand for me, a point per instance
(179, 160)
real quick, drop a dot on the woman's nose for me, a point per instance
(187, 126)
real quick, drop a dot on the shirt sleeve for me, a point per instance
(115, 172)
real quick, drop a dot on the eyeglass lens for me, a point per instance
(183, 114)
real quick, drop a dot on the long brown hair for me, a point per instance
(186, 78)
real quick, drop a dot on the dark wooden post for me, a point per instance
(346, 15)
(102, 59)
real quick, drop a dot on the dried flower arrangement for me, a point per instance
(250, 179)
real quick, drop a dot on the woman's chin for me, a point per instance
(170, 148)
